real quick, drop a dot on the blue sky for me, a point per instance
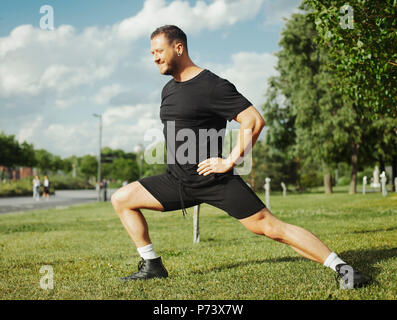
(97, 60)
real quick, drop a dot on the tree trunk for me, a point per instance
(394, 172)
(354, 164)
(298, 175)
(382, 166)
(327, 179)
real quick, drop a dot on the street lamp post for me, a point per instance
(99, 155)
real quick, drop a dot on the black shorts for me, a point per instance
(231, 194)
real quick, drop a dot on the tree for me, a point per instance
(360, 40)
(56, 163)
(10, 150)
(15, 154)
(89, 166)
(125, 169)
(361, 43)
(43, 160)
(27, 155)
(280, 139)
(67, 164)
(313, 117)
(380, 144)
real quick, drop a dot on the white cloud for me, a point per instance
(106, 93)
(129, 113)
(191, 19)
(249, 72)
(103, 67)
(68, 139)
(276, 10)
(34, 60)
(30, 129)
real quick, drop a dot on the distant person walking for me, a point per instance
(36, 188)
(46, 189)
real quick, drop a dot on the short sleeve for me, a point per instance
(226, 101)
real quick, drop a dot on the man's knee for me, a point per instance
(124, 195)
(272, 228)
(264, 223)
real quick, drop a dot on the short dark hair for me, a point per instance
(172, 33)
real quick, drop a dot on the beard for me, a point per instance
(172, 67)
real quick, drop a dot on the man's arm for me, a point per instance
(251, 125)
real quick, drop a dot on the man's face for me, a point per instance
(164, 54)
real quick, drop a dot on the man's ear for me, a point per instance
(179, 48)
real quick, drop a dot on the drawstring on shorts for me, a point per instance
(180, 189)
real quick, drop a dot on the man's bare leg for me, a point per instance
(299, 239)
(127, 202)
(306, 244)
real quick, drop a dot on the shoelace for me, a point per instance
(141, 263)
(338, 278)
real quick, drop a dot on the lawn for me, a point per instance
(88, 250)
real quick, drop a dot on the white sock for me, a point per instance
(147, 252)
(332, 261)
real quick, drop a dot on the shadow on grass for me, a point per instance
(376, 230)
(364, 260)
(247, 263)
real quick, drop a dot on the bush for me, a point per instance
(343, 181)
(311, 179)
(69, 183)
(16, 188)
(24, 187)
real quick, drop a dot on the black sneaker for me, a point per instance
(349, 278)
(148, 269)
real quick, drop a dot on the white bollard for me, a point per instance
(267, 192)
(284, 189)
(196, 229)
(364, 183)
(383, 183)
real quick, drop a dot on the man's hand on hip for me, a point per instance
(214, 165)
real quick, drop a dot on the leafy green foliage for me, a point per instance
(310, 123)
(89, 166)
(13, 153)
(310, 115)
(364, 56)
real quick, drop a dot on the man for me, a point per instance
(196, 100)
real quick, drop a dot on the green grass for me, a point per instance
(89, 250)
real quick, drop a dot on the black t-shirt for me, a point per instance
(194, 114)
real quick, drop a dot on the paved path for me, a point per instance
(62, 198)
